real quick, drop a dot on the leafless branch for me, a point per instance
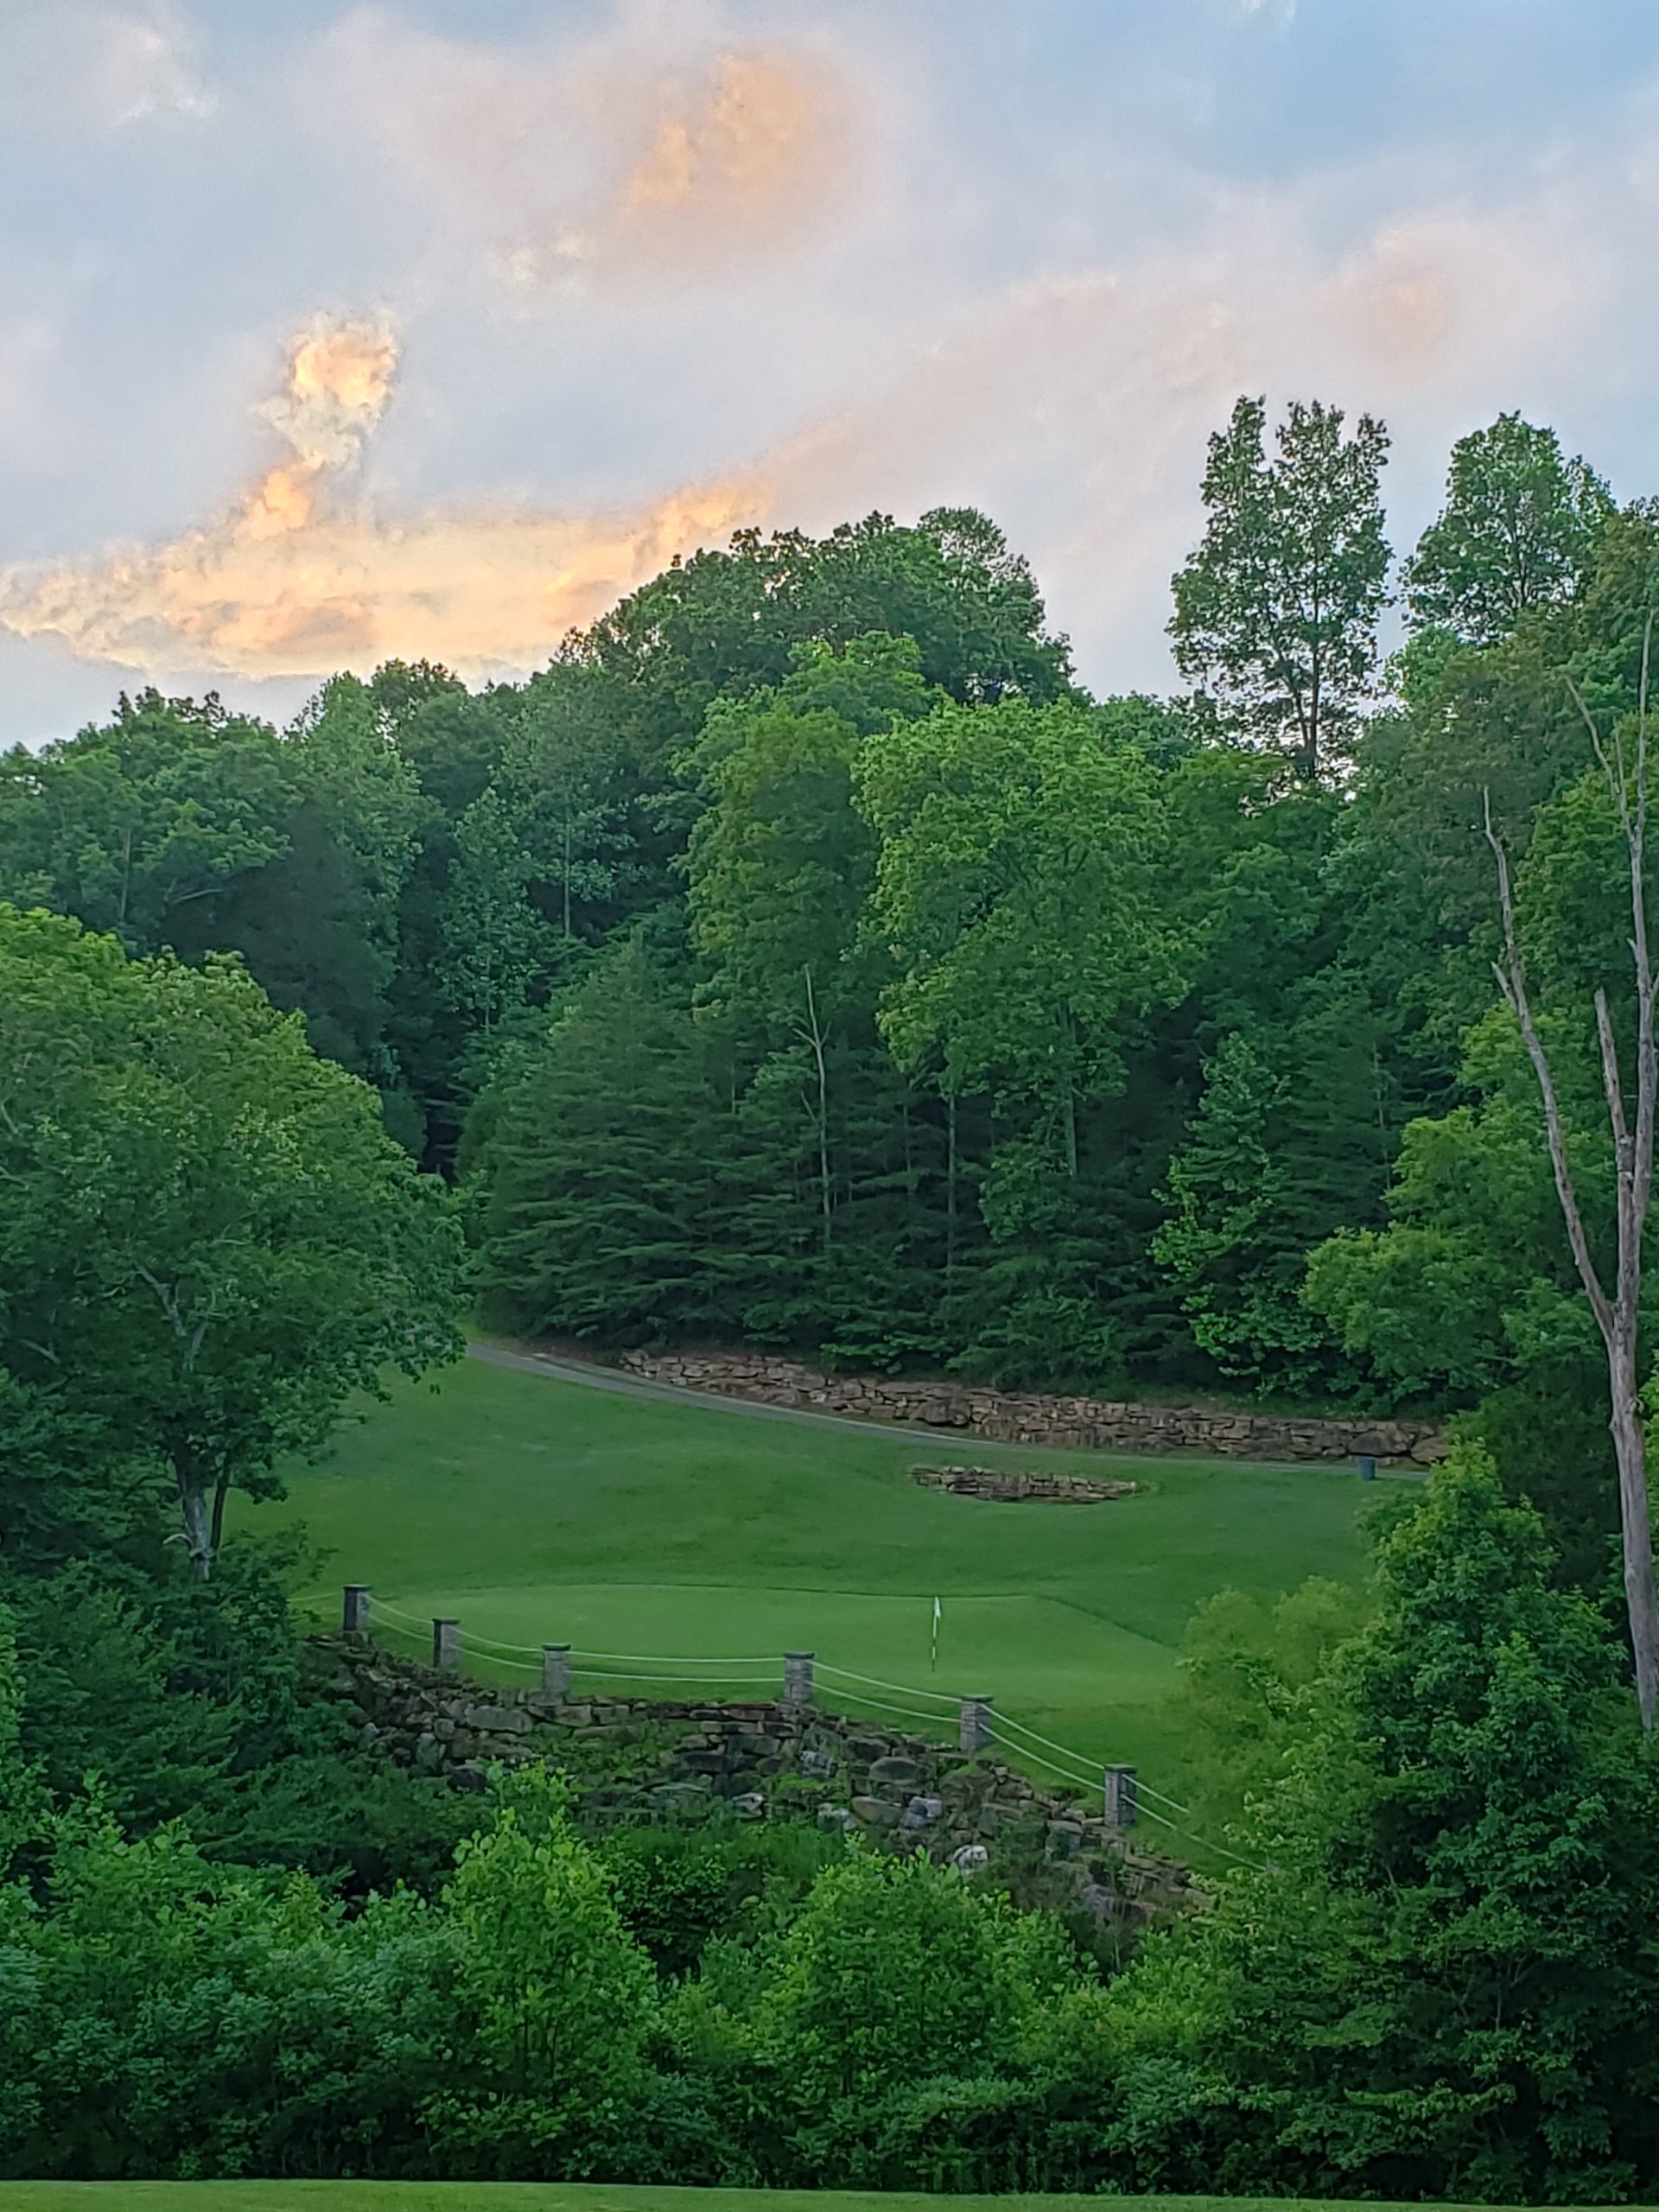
(1512, 982)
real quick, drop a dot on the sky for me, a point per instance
(331, 332)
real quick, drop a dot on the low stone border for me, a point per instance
(1006, 1487)
(633, 1758)
(1029, 1417)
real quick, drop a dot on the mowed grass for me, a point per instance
(560, 2196)
(538, 1511)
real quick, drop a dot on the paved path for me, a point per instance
(557, 1369)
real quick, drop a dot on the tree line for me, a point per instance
(804, 957)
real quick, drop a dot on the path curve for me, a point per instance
(555, 1367)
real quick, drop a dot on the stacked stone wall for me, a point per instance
(632, 1759)
(1031, 1417)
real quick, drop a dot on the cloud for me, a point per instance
(298, 581)
(658, 145)
(71, 61)
(1076, 409)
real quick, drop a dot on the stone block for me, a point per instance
(750, 1806)
(836, 1818)
(895, 1772)
(923, 1812)
(971, 1859)
(500, 1720)
(681, 1797)
(877, 1812)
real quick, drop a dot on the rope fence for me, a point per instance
(977, 1722)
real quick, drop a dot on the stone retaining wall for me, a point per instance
(632, 1759)
(1029, 1417)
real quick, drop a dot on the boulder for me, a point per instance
(500, 1720)
(895, 1772)
(877, 1812)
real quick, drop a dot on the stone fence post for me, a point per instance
(355, 1620)
(797, 1678)
(974, 1731)
(446, 1646)
(1122, 1798)
(555, 1670)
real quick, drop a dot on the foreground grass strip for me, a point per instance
(562, 2196)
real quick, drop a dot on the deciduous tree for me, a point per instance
(208, 1241)
(1276, 612)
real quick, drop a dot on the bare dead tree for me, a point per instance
(813, 1033)
(1617, 1310)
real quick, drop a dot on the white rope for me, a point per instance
(1254, 1866)
(378, 1606)
(1078, 1782)
(878, 1704)
(874, 1681)
(651, 1659)
(692, 1681)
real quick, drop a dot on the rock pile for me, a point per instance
(1007, 1487)
(1029, 1417)
(632, 1759)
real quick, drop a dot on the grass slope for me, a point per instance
(540, 1511)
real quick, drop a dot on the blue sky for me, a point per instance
(625, 274)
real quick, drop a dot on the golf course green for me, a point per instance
(661, 1532)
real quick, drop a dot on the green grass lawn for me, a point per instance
(529, 2196)
(539, 1512)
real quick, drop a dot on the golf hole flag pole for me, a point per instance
(934, 1660)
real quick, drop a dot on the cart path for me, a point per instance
(556, 1369)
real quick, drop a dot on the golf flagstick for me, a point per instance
(934, 1661)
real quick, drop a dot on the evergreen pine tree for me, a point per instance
(603, 1217)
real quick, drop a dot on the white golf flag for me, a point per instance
(937, 1615)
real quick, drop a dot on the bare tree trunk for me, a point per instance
(221, 1491)
(1640, 1596)
(950, 1186)
(192, 1510)
(815, 1035)
(1618, 1315)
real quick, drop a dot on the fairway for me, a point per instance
(543, 1511)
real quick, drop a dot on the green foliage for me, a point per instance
(1440, 1982)
(209, 1241)
(1277, 610)
(1516, 532)
(902, 1997)
(1247, 1664)
(555, 1996)
(603, 1204)
(1285, 1147)
(1017, 857)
